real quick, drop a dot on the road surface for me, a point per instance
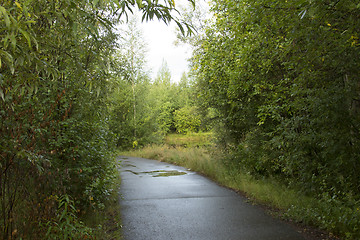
(161, 201)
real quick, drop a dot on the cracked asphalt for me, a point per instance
(161, 201)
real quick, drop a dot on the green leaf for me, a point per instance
(2, 94)
(30, 22)
(181, 28)
(6, 16)
(139, 3)
(13, 40)
(9, 60)
(18, 5)
(26, 35)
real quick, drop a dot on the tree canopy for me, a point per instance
(57, 72)
(283, 78)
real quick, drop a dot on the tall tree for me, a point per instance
(283, 76)
(162, 95)
(135, 50)
(134, 127)
(54, 86)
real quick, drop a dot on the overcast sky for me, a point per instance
(160, 39)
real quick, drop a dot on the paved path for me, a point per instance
(161, 204)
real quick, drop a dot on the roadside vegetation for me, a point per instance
(279, 83)
(275, 82)
(319, 218)
(61, 65)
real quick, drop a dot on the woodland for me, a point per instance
(276, 82)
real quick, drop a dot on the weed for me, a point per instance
(107, 222)
(290, 203)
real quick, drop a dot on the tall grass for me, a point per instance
(209, 163)
(326, 213)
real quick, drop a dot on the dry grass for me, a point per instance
(208, 162)
(279, 199)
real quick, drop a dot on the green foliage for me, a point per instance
(282, 77)
(171, 102)
(187, 120)
(131, 107)
(56, 76)
(67, 225)
(190, 140)
(50, 89)
(143, 112)
(163, 95)
(331, 214)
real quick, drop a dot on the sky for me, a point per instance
(160, 39)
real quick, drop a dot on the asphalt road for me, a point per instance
(163, 202)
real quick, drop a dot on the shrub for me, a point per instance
(187, 119)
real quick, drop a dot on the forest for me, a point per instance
(276, 83)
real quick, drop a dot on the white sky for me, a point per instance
(160, 39)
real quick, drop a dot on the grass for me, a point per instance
(207, 161)
(189, 140)
(209, 164)
(282, 201)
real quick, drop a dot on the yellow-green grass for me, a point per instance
(210, 164)
(285, 202)
(190, 139)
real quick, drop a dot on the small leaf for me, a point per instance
(30, 21)
(26, 35)
(13, 40)
(6, 16)
(9, 60)
(181, 28)
(2, 94)
(18, 5)
(139, 3)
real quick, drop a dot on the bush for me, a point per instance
(187, 119)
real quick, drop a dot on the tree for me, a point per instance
(134, 77)
(283, 77)
(162, 95)
(54, 87)
(187, 119)
(276, 74)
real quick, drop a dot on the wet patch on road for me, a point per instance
(132, 172)
(128, 165)
(160, 173)
(166, 173)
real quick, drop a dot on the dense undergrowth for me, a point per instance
(335, 217)
(60, 66)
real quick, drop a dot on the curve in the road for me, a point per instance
(161, 201)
